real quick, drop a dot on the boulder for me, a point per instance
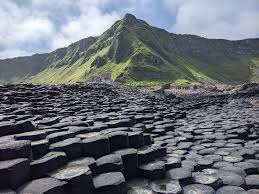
(231, 179)
(7, 191)
(198, 188)
(211, 180)
(118, 140)
(252, 181)
(154, 170)
(130, 162)
(72, 147)
(183, 175)
(230, 190)
(109, 163)
(145, 155)
(60, 156)
(32, 135)
(15, 149)
(166, 186)
(13, 173)
(96, 146)
(24, 126)
(43, 186)
(39, 148)
(86, 161)
(6, 128)
(42, 166)
(79, 179)
(110, 183)
(60, 136)
(136, 139)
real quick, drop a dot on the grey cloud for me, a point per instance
(229, 19)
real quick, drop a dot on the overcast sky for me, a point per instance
(36, 26)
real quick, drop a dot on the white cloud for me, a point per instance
(20, 30)
(229, 19)
(10, 53)
(36, 26)
(40, 26)
(90, 23)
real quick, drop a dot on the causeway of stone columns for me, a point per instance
(110, 139)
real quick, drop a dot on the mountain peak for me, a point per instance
(129, 19)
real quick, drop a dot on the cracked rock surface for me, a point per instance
(101, 139)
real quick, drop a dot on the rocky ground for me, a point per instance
(101, 139)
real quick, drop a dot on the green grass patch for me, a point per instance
(255, 61)
(67, 74)
(115, 69)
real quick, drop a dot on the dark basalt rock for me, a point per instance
(61, 157)
(249, 168)
(166, 186)
(198, 188)
(158, 151)
(111, 130)
(253, 191)
(49, 121)
(252, 181)
(189, 164)
(47, 164)
(183, 175)
(87, 135)
(7, 191)
(32, 136)
(136, 190)
(231, 179)
(98, 62)
(96, 146)
(109, 163)
(59, 136)
(79, 179)
(43, 186)
(109, 183)
(154, 170)
(147, 139)
(13, 173)
(210, 180)
(120, 123)
(54, 130)
(130, 162)
(87, 161)
(232, 158)
(6, 128)
(222, 164)
(136, 139)
(203, 164)
(118, 140)
(234, 169)
(145, 155)
(24, 126)
(39, 148)
(15, 149)
(230, 190)
(72, 147)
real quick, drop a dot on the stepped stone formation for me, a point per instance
(108, 139)
(132, 51)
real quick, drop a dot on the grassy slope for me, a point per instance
(255, 69)
(148, 42)
(182, 70)
(78, 72)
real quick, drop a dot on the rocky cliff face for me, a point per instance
(135, 52)
(201, 46)
(16, 68)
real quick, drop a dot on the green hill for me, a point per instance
(137, 53)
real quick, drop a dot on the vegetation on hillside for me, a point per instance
(139, 54)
